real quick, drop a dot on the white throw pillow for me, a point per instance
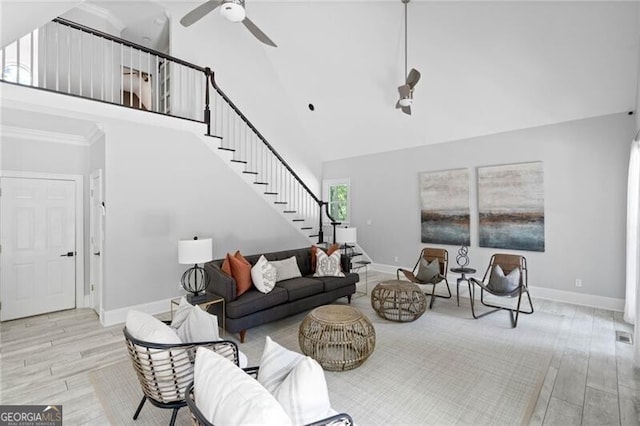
(328, 266)
(226, 395)
(276, 363)
(147, 328)
(181, 313)
(199, 326)
(303, 394)
(264, 275)
(286, 269)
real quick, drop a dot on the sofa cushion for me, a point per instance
(332, 283)
(254, 301)
(301, 287)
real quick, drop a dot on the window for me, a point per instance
(336, 192)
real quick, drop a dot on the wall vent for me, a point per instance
(624, 337)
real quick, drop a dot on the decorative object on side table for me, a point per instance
(195, 280)
(462, 259)
(347, 237)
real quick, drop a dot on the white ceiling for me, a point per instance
(487, 66)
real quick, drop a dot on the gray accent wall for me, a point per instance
(585, 181)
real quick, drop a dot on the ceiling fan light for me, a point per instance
(405, 102)
(233, 12)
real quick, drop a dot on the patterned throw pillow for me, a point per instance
(328, 266)
(263, 275)
(501, 284)
(428, 271)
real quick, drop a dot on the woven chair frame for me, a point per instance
(198, 419)
(165, 370)
(430, 254)
(507, 262)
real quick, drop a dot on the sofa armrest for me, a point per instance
(220, 283)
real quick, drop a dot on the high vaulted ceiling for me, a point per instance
(487, 67)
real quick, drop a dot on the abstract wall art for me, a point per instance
(445, 207)
(511, 206)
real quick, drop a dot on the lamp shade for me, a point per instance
(191, 252)
(346, 235)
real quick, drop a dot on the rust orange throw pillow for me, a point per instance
(226, 265)
(241, 271)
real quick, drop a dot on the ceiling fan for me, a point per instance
(411, 79)
(233, 10)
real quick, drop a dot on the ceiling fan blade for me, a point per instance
(406, 110)
(398, 105)
(413, 77)
(199, 12)
(404, 91)
(257, 32)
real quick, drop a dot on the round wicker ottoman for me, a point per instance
(338, 337)
(398, 300)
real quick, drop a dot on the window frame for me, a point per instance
(327, 184)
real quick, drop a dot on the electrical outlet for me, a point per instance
(368, 221)
(395, 259)
(578, 282)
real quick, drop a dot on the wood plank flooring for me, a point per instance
(590, 381)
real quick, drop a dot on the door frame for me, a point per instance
(97, 307)
(79, 231)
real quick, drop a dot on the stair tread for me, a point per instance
(270, 193)
(290, 211)
(298, 220)
(280, 202)
(213, 136)
(226, 149)
(249, 172)
(261, 183)
(306, 227)
(238, 161)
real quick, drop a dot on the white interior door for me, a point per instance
(37, 261)
(96, 240)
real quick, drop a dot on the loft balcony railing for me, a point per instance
(68, 58)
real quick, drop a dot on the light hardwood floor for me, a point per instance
(591, 380)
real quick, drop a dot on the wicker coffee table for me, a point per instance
(338, 337)
(398, 300)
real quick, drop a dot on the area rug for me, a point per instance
(444, 368)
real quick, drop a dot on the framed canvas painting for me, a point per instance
(511, 206)
(445, 207)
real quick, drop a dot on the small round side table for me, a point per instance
(397, 300)
(338, 337)
(463, 277)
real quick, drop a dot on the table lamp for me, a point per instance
(191, 252)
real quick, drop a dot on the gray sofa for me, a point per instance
(288, 297)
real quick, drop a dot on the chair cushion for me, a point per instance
(303, 394)
(199, 326)
(428, 271)
(263, 275)
(501, 284)
(299, 288)
(253, 301)
(226, 395)
(276, 363)
(328, 266)
(286, 269)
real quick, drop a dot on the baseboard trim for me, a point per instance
(590, 300)
(118, 316)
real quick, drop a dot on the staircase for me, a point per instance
(68, 58)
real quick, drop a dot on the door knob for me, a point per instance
(68, 254)
(96, 253)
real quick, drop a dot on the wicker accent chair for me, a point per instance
(507, 262)
(342, 419)
(430, 254)
(165, 371)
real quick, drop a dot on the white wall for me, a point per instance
(585, 169)
(163, 185)
(18, 19)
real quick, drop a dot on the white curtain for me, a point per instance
(632, 304)
(633, 193)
